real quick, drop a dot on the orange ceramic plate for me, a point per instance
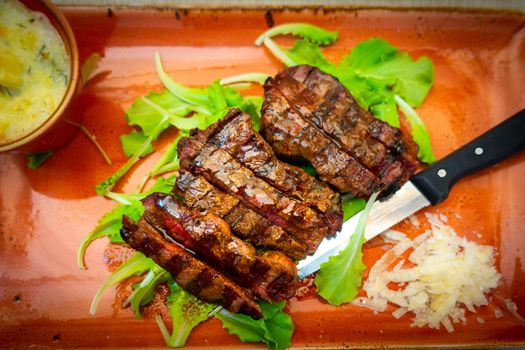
(44, 213)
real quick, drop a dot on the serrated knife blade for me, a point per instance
(429, 187)
(384, 214)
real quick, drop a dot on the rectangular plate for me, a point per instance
(44, 213)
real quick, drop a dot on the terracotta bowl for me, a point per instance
(55, 131)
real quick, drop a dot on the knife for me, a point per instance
(428, 187)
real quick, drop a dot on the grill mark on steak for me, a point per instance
(293, 137)
(210, 237)
(234, 134)
(198, 193)
(326, 104)
(189, 273)
(333, 109)
(220, 169)
(325, 90)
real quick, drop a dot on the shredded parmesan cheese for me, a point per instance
(448, 274)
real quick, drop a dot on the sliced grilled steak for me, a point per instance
(190, 273)
(293, 137)
(198, 193)
(272, 276)
(235, 134)
(222, 170)
(327, 106)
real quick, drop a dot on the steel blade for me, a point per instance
(384, 214)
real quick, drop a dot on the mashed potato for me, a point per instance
(34, 70)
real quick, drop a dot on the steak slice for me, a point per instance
(326, 105)
(271, 276)
(219, 168)
(198, 193)
(189, 273)
(293, 137)
(235, 134)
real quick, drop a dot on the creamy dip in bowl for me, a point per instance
(38, 74)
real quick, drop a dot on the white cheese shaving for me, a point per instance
(448, 274)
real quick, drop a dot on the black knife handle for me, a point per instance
(497, 144)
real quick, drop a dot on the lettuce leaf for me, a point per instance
(186, 313)
(339, 278)
(275, 328)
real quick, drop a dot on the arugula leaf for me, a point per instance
(339, 278)
(419, 131)
(192, 96)
(164, 185)
(253, 105)
(313, 33)
(275, 328)
(351, 206)
(148, 111)
(35, 160)
(279, 52)
(111, 223)
(258, 78)
(170, 159)
(378, 60)
(112, 180)
(135, 265)
(133, 141)
(108, 226)
(305, 52)
(186, 313)
(279, 324)
(144, 291)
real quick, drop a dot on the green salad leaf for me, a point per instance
(351, 206)
(144, 291)
(339, 278)
(35, 160)
(148, 111)
(378, 60)
(275, 328)
(186, 313)
(132, 142)
(136, 265)
(305, 52)
(419, 131)
(313, 33)
(258, 78)
(111, 223)
(108, 226)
